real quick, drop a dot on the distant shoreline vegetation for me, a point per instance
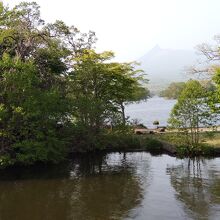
(174, 89)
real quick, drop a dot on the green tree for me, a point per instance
(29, 114)
(100, 88)
(215, 94)
(90, 84)
(53, 85)
(191, 112)
(34, 67)
(130, 85)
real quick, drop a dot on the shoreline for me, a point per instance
(165, 130)
(164, 151)
(153, 144)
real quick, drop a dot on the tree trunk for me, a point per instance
(123, 114)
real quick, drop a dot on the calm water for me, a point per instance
(114, 186)
(155, 108)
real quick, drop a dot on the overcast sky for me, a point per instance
(131, 27)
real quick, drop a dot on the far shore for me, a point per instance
(164, 129)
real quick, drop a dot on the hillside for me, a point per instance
(166, 65)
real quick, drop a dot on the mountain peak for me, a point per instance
(166, 65)
(156, 48)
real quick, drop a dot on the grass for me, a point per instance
(209, 146)
(213, 141)
(210, 138)
(172, 138)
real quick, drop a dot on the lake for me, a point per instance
(156, 108)
(113, 186)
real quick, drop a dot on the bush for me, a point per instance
(5, 160)
(208, 150)
(182, 151)
(29, 151)
(83, 140)
(201, 150)
(119, 141)
(209, 135)
(156, 122)
(153, 145)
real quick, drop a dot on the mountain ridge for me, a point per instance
(164, 66)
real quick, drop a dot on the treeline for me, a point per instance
(174, 90)
(56, 92)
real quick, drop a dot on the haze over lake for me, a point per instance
(155, 108)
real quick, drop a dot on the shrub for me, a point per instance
(182, 151)
(5, 160)
(208, 150)
(153, 145)
(30, 151)
(120, 141)
(156, 122)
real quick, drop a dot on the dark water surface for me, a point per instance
(114, 186)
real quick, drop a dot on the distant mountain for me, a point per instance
(166, 65)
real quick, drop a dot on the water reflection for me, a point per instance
(114, 186)
(89, 187)
(197, 185)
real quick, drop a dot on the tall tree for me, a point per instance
(210, 69)
(101, 88)
(191, 112)
(51, 80)
(130, 85)
(34, 64)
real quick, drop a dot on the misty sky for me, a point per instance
(131, 27)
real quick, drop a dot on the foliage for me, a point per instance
(191, 112)
(29, 114)
(201, 150)
(182, 151)
(215, 95)
(156, 122)
(99, 88)
(173, 90)
(56, 91)
(208, 150)
(115, 140)
(136, 123)
(34, 107)
(153, 145)
(211, 71)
